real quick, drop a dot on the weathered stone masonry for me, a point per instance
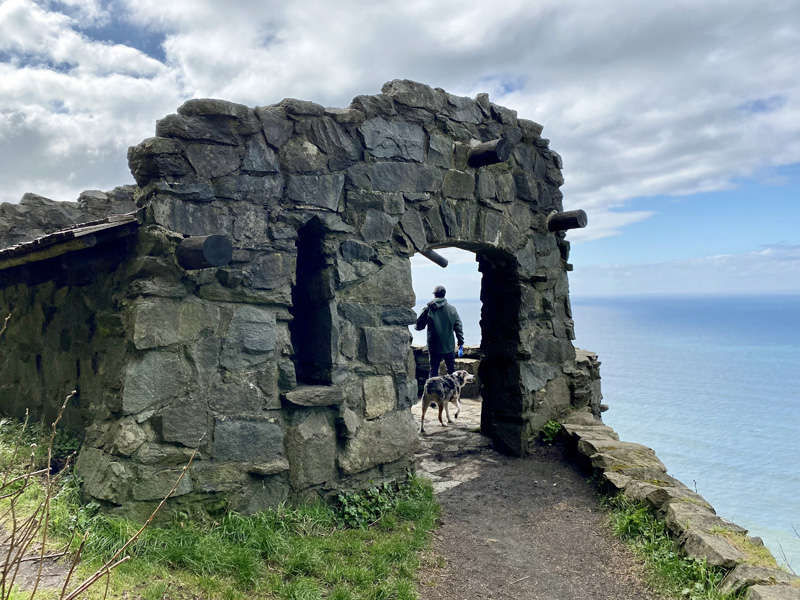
(292, 362)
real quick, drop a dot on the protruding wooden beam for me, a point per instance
(204, 251)
(571, 219)
(435, 257)
(489, 153)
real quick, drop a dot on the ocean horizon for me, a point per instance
(712, 384)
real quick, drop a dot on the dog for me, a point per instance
(444, 390)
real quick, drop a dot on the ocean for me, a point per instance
(712, 384)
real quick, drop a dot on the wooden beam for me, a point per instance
(489, 153)
(435, 257)
(571, 219)
(204, 251)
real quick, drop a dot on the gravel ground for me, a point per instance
(517, 528)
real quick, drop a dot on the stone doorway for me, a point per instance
(503, 399)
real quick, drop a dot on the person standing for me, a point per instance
(442, 321)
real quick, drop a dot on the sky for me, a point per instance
(678, 122)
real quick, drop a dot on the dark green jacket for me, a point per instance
(442, 320)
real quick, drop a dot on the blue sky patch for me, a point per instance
(763, 105)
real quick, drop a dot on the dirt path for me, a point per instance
(517, 528)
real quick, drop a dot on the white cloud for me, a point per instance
(639, 98)
(772, 269)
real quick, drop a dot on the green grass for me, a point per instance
(669, 572)
(368, 546)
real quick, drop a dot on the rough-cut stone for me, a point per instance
(311, 450)
(393, 139)
(411, 222)
(458, 184)
(195, 128)
(125, 437)
(323, 191)
(200, 107)
(384, 440)
(250, 337)
(155, 484)
(682, 516)
(212, 160)
(391, 286)
(377, 226)
(379, 396)
(277, 129)
(715, 550)
(772, 592)
(185, 422)
(745, 575)
(163, 322)
(411, 93)
(259, 158)
(104, 477)
(386, 345)
(396, 177)
(248, 439)
(316, 395)
(156, 378)
(440, 151)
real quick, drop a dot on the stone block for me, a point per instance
(624, 459)
(251, 335)
(440, 151)
(396, 177)
(353, 250)
(457, 184)
(391, 286)
(387, 345)
(378, 226)
(248, 439)
(185, 421)
(293, 106)
(772, 592)
(715, 550)
(271, 271)
(261, 189)
(213, 160)
(393, 139)
(154, 484)
(332, 139)
(465, 110)
(104, 478)
(311, 450)
(199, 107)
(258, 157)
(322, 191)
(683, 516)
(277, 128)
(411, 93)
(189, 218)
(196, 128)
(162, 322)
(398, 316)
(316, 395)
(386, 439)
(744, 575)
(302, 156)
(155, 378)
(125, 437)
(379, 396)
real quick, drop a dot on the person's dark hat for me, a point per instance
(439, 291)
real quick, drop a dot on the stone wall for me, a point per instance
(290, 367)
(35, 216)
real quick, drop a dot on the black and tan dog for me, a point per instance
(444, 390)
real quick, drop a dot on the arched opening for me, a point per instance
(313, 327)
(488, 297)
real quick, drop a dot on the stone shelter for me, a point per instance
(254, 302)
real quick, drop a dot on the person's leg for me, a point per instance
(450, 362)
(436, 359)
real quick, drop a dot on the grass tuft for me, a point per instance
(668, 571)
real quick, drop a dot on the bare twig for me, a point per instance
(110, 564)
(518, 580)
(5, 324)
(73, 565)
(49, 489)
